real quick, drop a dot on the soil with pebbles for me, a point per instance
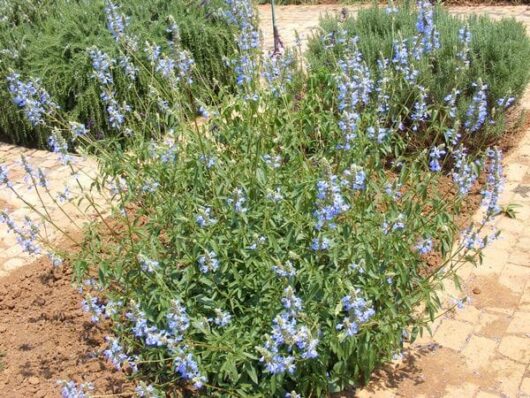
(46, 337)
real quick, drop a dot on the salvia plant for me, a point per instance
(284, 243)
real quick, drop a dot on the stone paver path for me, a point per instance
(304, 19)
(480, 351)
(58, 176)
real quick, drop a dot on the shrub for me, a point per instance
(50, 40)
(478, 58)
(261, 252)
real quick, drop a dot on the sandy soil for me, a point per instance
(46, 337)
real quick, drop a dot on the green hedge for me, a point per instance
(499, 56)
(49, 40)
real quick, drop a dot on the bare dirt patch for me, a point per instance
(45, 336)
(492, 293)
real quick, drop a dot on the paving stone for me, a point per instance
(453, 334)
(524, 305)
(493, 263)
(492, 325)
(507, 376)
(485, 394)
(469, 314)
(520, 323)
(515, 172)
(500, 310)
(520, 256)
(464, 390)
(479, 351)
(525, 387)
(515, 277)
(14, 263)
(516, 348)
(510, 225)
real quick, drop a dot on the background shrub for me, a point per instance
(498, 56)
(49, 40)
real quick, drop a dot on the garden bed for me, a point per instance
(60, 342)
(46, 337)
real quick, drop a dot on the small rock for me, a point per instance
(40, 394)
(39, 301)
(33, 380)
(476, 290)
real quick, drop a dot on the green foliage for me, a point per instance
(499, 55)
(510, 210)
(248, 244)
(50, 41)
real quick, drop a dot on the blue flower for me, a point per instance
(177, 319)
(71, 390)
(56, 260)
(26, 234)
(424, 246)
(477, 112)
(186, 366)
(147, 264)
(222, 318)
(472, 240)
(238, 201)
(430, 37)
(93, 307)
(101, 63)
(114, 353)
(59, 145)
(292, 394)
(286, 270)
(318, 244)
(359, 311)
(290, 301)
(506, 102)
(354, 178)
(208, 262)
(78, 129)
(272, 161)
(116, 23)
(401, 61)
(150, 186)
(464, 174)
(128, 67)
(421, 112)
(204, 218)
(494, 182)
(330, 202)
(31, 97)
(147, 391)
(464, 36)
(435, 155)
(4, 178)
(278, 71)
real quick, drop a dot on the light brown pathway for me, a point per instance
(59, 177)
(304, 19)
